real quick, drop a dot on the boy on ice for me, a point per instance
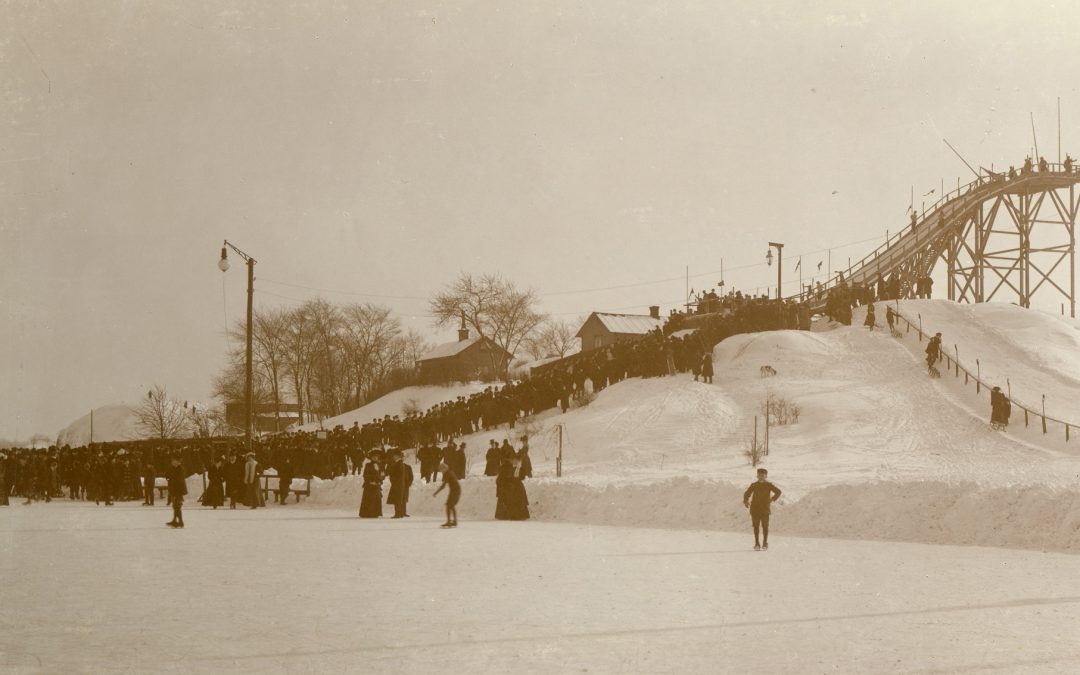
(758, 498)
(453, 494)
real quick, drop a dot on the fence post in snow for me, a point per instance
(978, 376)
(1044, 412)
(754, 447)
(956, 350)
(558, 459)
(920, 326)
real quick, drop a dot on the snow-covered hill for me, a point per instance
(114, 422)
(908, 456)
(395, 403)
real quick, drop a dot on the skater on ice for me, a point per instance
(177, 490)
(453, 495)
(759, 498)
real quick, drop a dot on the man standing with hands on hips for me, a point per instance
(758, 498)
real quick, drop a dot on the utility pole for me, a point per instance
(779, 278)
(223, 265)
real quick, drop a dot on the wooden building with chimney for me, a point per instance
(602, 329)
(468, 359)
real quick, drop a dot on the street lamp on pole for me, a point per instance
(779, 277)
(223, 265)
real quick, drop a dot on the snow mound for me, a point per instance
(394, 403)
(1033, 517)
(115, 422)
(770, 348)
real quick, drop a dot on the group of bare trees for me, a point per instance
(323, 357)
(328, 358)
(494, 308)
(160, 415)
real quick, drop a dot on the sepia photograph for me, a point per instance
(466, 336)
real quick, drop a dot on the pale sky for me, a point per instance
(370, 151)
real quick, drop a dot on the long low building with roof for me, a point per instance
(602, 329)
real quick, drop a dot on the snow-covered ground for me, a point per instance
(397, 402)
(310, 590)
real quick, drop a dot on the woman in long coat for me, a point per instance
(371, 500)
(707, 368)
(215, 485)
(511, 500)
(491, 460)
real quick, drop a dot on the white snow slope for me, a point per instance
(111, 423)
(394, 403)
(880, 450)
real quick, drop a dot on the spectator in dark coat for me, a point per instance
(234, 480)
(707, 368)
(214, 495)
(285, 476)
(511, 500)
(3, 481)
(1000, 409)
(149, 475)
(371, 500)
(401, 477)
(491, 459)
(459, 461)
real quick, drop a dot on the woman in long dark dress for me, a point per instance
(371, 501)
(511, 500)
(214, 495)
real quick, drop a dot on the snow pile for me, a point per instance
(1034, 517)
(115, 422)
(395, 403)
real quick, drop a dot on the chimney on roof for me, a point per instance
(654, 311)
(463, 332)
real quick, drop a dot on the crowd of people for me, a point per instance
(125, 471)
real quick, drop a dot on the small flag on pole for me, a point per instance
(819, 265)
(798, 263)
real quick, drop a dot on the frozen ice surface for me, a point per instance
(90, 589)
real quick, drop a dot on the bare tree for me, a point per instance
(208, 422)
(494, 308)
(160, 416)
(269, 346)
(325, 330)
(555, 338)
(368, 333)
(298, 357)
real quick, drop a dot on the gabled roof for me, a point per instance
(449, 349)
(626, 324)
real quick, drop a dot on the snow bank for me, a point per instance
(115, 422)
(394, 403)
(1033, 517)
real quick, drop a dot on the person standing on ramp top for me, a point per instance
(758, 498)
